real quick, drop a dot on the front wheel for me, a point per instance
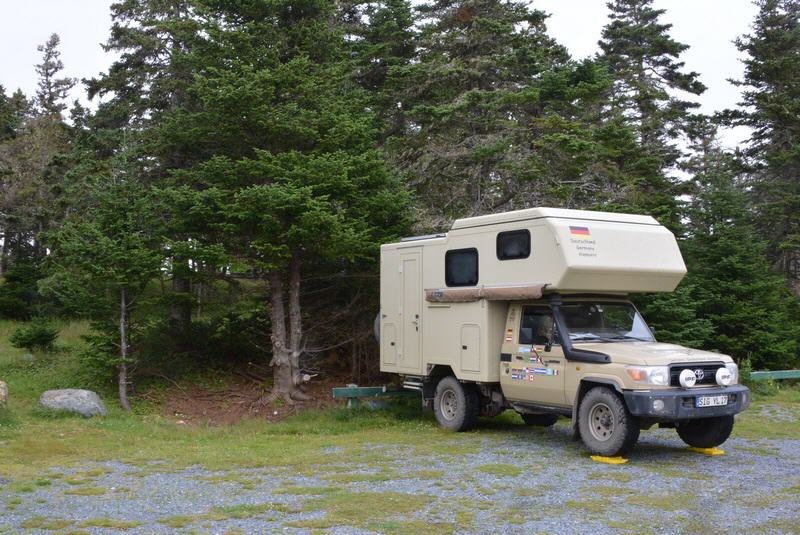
(606, 426)
(705, 432)
(456, 405)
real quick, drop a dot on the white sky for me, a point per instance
(708, 26)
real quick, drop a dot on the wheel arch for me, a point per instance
(436, 374)
(586, 384)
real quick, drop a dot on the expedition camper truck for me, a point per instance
(528, 310)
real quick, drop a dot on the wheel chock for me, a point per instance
(708, 451)
(609, 460)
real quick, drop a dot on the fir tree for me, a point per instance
(749, 307)
(498, 117)
(643, 60)
(771, 108)
(52, 91)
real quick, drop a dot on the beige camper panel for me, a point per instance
(424, 321)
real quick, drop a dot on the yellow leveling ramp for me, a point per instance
(708, 451)
(609, 460)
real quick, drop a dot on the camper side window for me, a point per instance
(514, 244)
(461, 267)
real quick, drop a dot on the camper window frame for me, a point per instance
(447, 256)
(498, 249)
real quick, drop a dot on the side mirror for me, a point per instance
(548, 346)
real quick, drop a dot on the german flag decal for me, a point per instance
(579, 232)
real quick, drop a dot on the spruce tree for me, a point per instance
(52, 91)
(295, 183)
(160, 50)
(749, 307)
(498, 117)
(771, 108)
(649, 79)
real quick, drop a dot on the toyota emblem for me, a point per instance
(699, 374)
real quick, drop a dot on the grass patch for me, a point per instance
(590, 505)
(249, 510)
(40, 522)
(616, 475)
(316, 491)
(499, 469)
(366, 510)
(361, 478)
(607, 491)
(663, 502)
(86, 491)
(109, 523)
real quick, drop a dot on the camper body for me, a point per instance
(528, 310)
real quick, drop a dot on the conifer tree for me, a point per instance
(771, 108)
(52, 91)
(498, 117)
(159, 47)
(752, 314)
(295, 181)
(649, 81)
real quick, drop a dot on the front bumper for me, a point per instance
(679, 403)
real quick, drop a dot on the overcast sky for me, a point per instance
(708, 26)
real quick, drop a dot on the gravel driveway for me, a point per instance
(497, 479)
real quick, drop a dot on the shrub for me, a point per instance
(38, 334)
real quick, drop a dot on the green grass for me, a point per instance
(499, 469)
(361, 509)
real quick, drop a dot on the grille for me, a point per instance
(709, 372)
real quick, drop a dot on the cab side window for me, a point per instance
(537, 326)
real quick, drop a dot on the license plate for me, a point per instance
(711, 401)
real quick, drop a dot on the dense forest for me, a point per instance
(224, 200)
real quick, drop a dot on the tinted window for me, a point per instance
(513, 244)
(461, 267)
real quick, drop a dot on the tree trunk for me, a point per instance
(122, 378)
(180, 313)
(283, 383)
(284, 376)
(296, 326)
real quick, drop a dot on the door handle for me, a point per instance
(551, 361)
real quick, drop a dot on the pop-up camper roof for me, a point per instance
(570, 251)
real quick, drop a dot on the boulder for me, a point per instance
(84, 402)
(3, 394)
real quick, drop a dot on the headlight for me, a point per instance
(650, 375)
(734, 369)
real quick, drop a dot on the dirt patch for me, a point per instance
(240, 400)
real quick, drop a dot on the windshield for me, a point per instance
(591, 321)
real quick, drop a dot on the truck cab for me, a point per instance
(530, 311)
(559, 349)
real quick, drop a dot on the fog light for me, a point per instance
(687, 378)
(724, 377)
(658, 405)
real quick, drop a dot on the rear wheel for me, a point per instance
(705, 432)
(456, 405)
(539, 420)
(606, 426)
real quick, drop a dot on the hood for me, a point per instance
(651, 353)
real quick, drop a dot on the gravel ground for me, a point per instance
(508, 479)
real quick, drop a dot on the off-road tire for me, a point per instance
(539, 420)
(456, 405)
(605, 425)
(705, 432)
